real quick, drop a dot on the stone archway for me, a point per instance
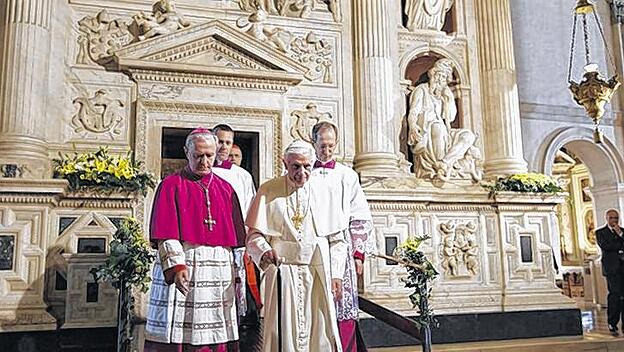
(604, 161)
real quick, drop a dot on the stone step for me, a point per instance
(589, 342)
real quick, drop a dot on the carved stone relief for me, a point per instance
(311, 50)
(426, 14)
(304, 121)
(254, 26)
(164, 19)
(441, 153)
(291, 8)
(98, 114)
(100, 37)
(316, 54)
(158, 91)
(459, 249)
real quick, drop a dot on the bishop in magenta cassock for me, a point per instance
(196, 222)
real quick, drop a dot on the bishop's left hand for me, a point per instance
(337, 289)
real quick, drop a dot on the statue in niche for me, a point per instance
(254, 25)
(163, 20)
(460, 250)
(426, 14)
(441, 153)
(100, 37)
(305, 119)
(99, 114)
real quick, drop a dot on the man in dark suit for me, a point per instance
(611, 244)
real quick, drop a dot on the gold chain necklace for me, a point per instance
(298, 216)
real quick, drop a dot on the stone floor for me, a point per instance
(596, 338)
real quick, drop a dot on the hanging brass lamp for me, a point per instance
(593, 92)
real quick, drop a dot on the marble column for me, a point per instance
(376, 119)
(499, 91)
(24, 55)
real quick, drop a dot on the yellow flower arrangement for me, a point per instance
(103, 172)
(526, 182)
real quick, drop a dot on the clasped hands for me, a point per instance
(271, 257)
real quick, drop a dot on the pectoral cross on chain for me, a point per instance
(297, 220)
(209, 220)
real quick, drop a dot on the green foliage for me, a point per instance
(529, 182)
(130, 258)
(420, 275)
(102, 172)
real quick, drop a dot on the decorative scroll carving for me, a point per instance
(305, 119)
(164, 19)
(316, 54)
(459, 250)
(100, 37)
(98, 114)
(426, 14)
(441, 153)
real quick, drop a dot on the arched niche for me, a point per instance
(604, 161)
(415, 73)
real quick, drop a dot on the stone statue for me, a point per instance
(267, 6)
(254, 25)
(426, 14)
(163, 20)
(296, 8)
(440, 152)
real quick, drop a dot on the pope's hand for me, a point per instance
(182, 281)
(268, 258)
(337, 289)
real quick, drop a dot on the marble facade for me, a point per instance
(117, 72)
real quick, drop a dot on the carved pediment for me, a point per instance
(213, 53)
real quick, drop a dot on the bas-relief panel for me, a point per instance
(465, 249)
(101, 114)
(319, 51)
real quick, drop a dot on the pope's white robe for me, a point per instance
(346, 184)
(242, 182)
(311, 257)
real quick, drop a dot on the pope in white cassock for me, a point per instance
(346, 183)
(243, 185)
(296, 227)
